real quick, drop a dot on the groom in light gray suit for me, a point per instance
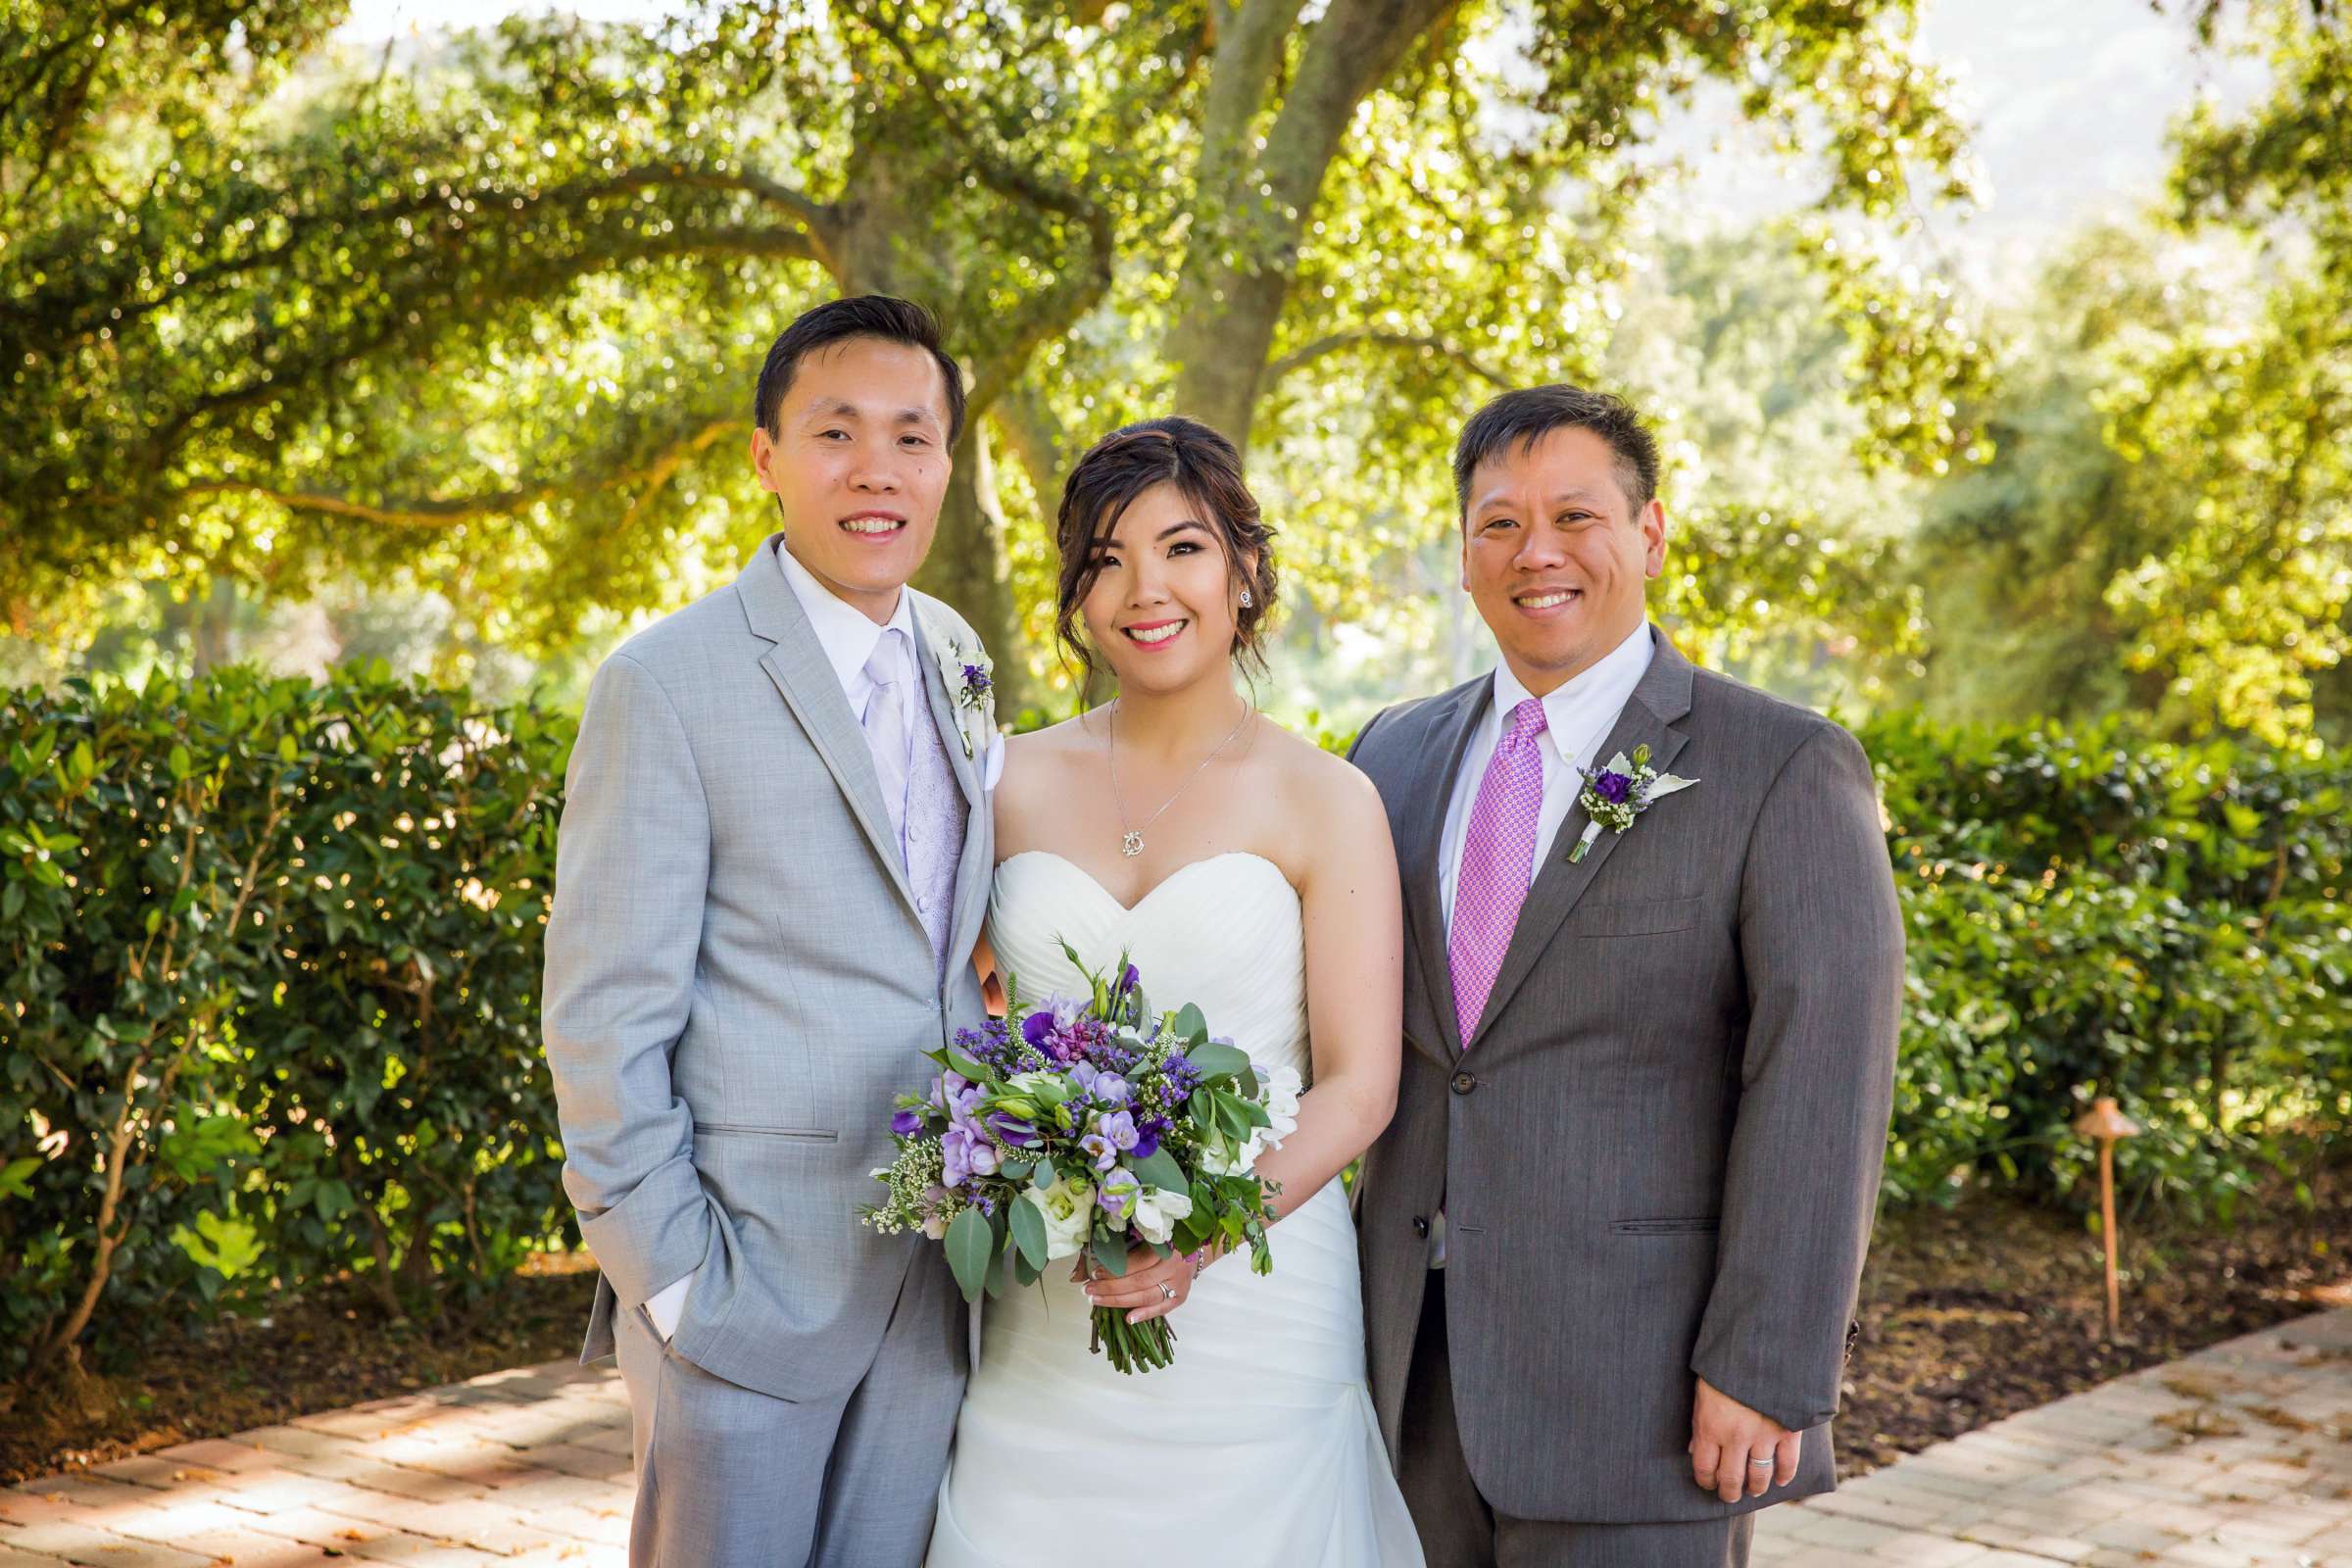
(1613, 1238)
(772, 865)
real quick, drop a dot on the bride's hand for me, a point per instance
(1153, 1286)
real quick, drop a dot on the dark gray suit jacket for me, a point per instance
(1660, 1156)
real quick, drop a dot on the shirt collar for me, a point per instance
(847, 633)
(1578, 711)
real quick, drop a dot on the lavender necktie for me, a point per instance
(1498, 855)
(885, 723)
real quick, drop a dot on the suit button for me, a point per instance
(1464, 1082)
(1420, 1227)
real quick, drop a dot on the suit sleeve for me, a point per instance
(632, 857)
(1821, 938)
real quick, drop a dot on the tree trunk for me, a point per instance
(212, 634)
(1249, 215)
(883, 251)
(966, 565)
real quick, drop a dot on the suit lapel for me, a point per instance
(1662, 697)
(804, 678)
(1423, 849)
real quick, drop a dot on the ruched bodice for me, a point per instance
(1263, 1423)
(1222, 933)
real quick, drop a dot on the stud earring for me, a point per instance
(1247, 601)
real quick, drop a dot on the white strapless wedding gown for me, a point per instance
(1258, 1445)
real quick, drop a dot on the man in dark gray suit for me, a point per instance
(1612, 1240)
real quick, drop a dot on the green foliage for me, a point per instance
(271, 950)
(483, 319)
(2093, 912)
(273, 953)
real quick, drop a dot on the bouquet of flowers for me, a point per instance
(1081, 1127)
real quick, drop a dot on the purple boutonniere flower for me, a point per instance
(1614, 794)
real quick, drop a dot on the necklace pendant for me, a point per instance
(1131, 845)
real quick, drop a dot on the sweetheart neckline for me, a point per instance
(1158, 887)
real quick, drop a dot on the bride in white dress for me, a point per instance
(1246, 871)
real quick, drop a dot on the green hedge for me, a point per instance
(272, 958)
(271, 961)
(2090, 913)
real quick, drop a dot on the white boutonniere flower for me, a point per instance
(1618, 793)
(968, 672)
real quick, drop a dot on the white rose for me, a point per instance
(1068, 1209)
(1283, 1086)
(1157, 1213)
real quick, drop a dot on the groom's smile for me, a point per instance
(873, 524)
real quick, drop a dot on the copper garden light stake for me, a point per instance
(2105, 1122)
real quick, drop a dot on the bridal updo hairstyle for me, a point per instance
(1204, 467)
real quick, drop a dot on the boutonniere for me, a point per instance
(1620, 792)
(968, 670)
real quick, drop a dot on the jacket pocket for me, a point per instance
(800, 1135)
(1664, 1227)
(1648, 917)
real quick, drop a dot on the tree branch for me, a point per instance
(1299, 358)
(435, 513)
(1249, 52)
(998, 173)
(1038, 440)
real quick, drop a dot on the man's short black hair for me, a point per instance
(1522, 418)
(894, 320)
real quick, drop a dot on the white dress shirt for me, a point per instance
(848, 636)
(1578, 717)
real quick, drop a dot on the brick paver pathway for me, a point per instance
(2239, 1456)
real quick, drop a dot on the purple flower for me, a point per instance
(1011, 1130)
(1612, 787)
(955, 1156)
(1108, 1089)
(1147, 1137)
(1036, 1027)
(1119, 1128)
(1118, 1194)
(907, 1123)
(1099, 1150)
(975, 682)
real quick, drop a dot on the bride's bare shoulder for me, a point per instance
(1054, 743)
(1314, 784)
(1040, 767)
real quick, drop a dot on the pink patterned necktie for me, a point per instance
(1497, 858)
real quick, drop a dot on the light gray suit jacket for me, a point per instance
(1660, 1156)
(737, 983)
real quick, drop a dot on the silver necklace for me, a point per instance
(1131, 839)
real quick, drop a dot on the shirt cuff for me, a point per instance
(667, 1305)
